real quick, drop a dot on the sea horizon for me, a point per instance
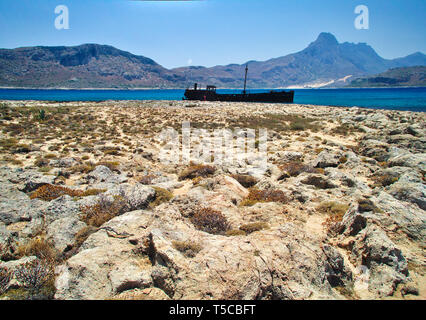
(396, 98)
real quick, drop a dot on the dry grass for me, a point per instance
(269, 195)
(188, 248)
(335, 212)
(161, 196)
(196, 170)
(50, 192)
(39, 247)
(104, 210)
(235, 233)
(294, 168)
(253, 227)
(384, 180)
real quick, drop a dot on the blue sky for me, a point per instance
(212, 32)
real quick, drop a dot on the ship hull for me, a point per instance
(272, 96)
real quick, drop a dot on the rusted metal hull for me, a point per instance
(272, 96)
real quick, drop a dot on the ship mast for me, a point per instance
(245, 80)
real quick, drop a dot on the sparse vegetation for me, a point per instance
(269, 195)
(196, 170)
(147, 179)
(384, 180)
(295, 168)
(253, 227)
(245, 180)
(50, 192)
(365, 205)
(235, 233)
(161, 196)
(37, 277)
(211, 221)
(39, 247)
(188, 248)
(335, 211)
(103, 210)
(5, 276)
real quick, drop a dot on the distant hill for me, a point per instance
(397, 77)
(324, 62)
(85, 66)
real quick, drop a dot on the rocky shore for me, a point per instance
(88, 210)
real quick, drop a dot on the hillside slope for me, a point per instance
(397, 77)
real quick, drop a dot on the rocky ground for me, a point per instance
(87, 210)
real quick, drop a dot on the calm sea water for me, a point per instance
(410, 99)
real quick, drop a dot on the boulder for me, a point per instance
(387, 265)
(326, 159)
(62, 232)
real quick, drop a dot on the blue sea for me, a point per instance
(409, 99)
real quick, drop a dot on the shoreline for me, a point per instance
(142, 89)
(200, 104)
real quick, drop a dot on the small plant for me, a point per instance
(335, 212)
(294, 168)
(253, 227)
(318, 182)
(365, 205)
(333, 208)
(111, 165)
(50, 192)
(41, 162)
(161, 196)
(147, 179)
(384, 180)
(209, 220)
(104, 210)
(41, 115)
(188, 248)
(39, 247)
(83, 168)
(196, 170)
(268, 195)
(5, 276)
(245, 180)
(37, 277)
(235, 233)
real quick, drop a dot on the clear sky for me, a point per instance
(213, 32)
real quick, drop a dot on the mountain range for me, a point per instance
(397, 77)
(325, 62)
